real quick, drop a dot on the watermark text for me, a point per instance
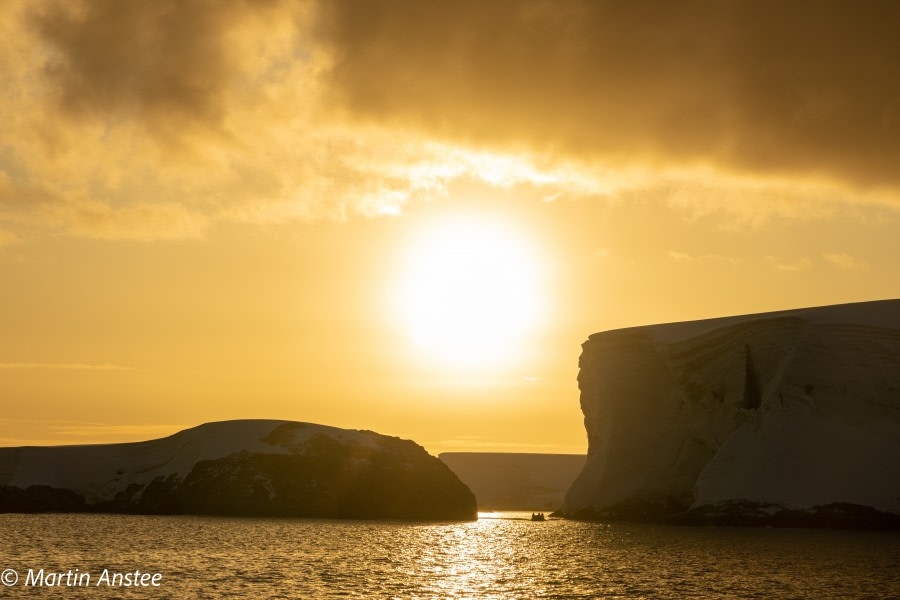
(79, 578)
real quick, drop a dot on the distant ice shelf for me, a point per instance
(516, 481)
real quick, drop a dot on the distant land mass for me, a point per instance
(245, 467)
(789, 418)
(516, 481)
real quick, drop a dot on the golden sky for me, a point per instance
(407, 216)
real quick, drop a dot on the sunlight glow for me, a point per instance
(432, 166)
(471, 293)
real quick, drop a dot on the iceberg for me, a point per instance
(786, 418)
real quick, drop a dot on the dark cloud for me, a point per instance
(167, 62)
(779, 88)
(158, 119)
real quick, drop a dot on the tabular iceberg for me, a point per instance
(246, 467)
(785, 418)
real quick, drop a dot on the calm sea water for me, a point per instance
(500, 556)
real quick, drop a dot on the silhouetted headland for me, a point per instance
(246, 467)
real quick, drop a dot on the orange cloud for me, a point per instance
(159, 120)
(774, 89)
(846, 262)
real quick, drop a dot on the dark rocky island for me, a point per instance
(246, 468)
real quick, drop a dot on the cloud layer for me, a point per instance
(765, 87)
(156, 120)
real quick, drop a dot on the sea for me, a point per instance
(501, 555)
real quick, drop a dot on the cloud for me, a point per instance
(463, 444)
(687, 257)
(56, 432)
(158, 120)
(846, 262)
(169, 64)
(8, 238)
(789, 265)
(766, 88)
(99, 431)
(66, 366)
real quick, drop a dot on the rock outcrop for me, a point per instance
(787, 418)
(248, 467)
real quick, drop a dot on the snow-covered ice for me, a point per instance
(796, 408)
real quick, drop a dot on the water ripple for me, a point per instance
(494, 558)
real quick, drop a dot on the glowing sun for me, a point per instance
(471, 293)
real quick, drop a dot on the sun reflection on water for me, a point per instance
(504, 555)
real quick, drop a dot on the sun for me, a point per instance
(470, 294)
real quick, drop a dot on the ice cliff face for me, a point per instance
(778, 418)
(248, 467)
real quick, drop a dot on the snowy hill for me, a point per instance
(257, 467)
(787, 418)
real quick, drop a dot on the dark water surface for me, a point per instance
(496, 557)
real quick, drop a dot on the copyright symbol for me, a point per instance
(9, 577)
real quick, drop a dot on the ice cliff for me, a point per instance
(785, 418)
(247, 467)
